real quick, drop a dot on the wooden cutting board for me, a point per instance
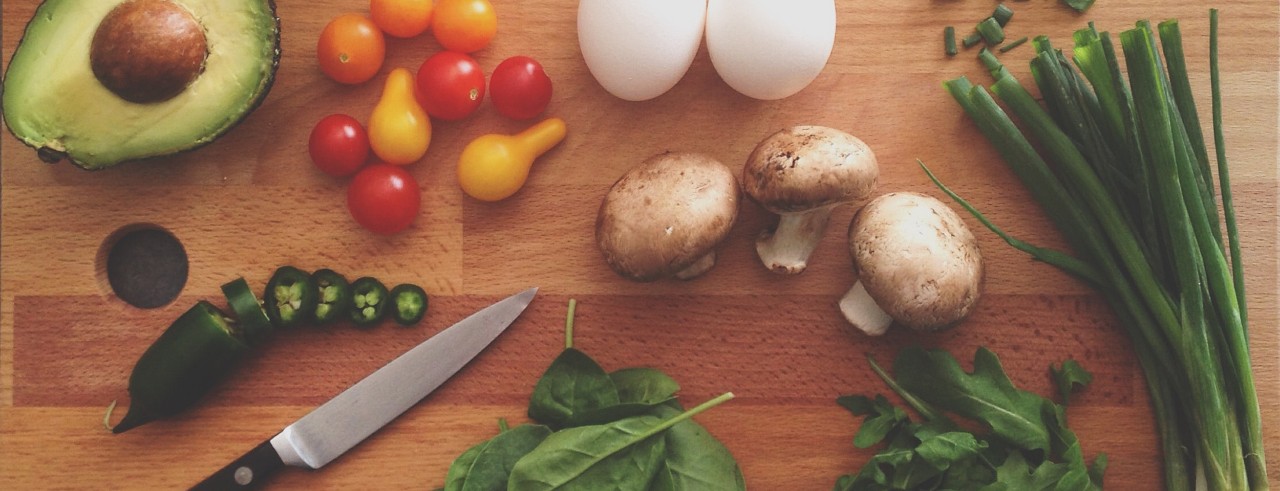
(252, 202)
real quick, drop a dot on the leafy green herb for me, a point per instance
(576, 391)
(487, 465)
(1068, 377)
(619, 430)
(1028, 445)
(1119, 164)
(695, 460)
(628, 452)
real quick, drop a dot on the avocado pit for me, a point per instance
(148, 50)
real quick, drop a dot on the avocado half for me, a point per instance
(56, 102)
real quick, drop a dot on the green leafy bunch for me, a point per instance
(1026, 444)
(594, 430)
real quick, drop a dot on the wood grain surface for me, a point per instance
(251, 202)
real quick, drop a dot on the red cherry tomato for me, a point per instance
(384, 198)
(520, 88)
(450, 85)
(338, 145)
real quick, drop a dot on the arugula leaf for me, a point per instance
(1070, 377)
(986, 395)
(1028, 445)
(881, 418)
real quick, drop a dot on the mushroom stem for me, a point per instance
(702, 265)
(786, 248)
(861, 310)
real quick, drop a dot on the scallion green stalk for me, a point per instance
(1120, 166)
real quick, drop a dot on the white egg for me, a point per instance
(639, 49)
(770, 49)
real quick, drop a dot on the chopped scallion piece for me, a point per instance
(991, 31)
(1079, 5)
(949, 40)
(1013, 44)
(1002, 14)
(971, 40)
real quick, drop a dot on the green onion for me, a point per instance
(991, 31)
(1121, 168)
(1002, 14)
(1013, 44)
(949, 40)
(972, 39)
(1079, 5)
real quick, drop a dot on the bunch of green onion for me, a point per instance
(1121, 168)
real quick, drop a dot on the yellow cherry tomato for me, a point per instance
(399, 130)
(494, 167)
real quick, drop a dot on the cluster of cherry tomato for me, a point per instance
(450, 85)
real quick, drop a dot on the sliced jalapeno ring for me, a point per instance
(290, 298)
(254, 325)
(408, 304)
(197, 351)
(368, 301)
(333, 296)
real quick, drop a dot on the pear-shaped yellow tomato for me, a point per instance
(399, 130)
(494, 167)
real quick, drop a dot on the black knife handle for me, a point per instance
(249, 471)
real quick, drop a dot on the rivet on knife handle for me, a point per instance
(247, 472)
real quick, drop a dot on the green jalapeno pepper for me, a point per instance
(368, 301)
(290, 298)
(408, 304)
(333, 295)
(254, 324)
(196, 352)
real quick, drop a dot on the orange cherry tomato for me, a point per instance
(464, 25)
(401, 18)
(351, 49)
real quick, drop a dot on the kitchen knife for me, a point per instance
(347, 419)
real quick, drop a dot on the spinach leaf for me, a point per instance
(573, 385)
(622, 455)
(645, 386)
(489, 466)
(695, 460)
(639, 390)
(457, 474)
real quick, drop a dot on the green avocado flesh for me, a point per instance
(54, 103)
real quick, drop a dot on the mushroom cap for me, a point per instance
(665, 214)
(805, 167)
(917, 259)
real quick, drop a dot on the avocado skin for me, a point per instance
(52, 155)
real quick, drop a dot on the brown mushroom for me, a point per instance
(917, 263)
(665, 216)
(801, 174)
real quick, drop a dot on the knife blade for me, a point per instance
(344, 421)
